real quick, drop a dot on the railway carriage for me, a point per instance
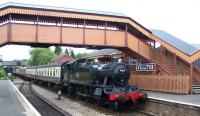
(105, 84)
(49, 73)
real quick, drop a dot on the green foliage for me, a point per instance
(2, 74)
(72, 54)
(40, 56)
(80, 55)
(66, 51)
(58, 50)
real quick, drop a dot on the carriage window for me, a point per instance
(57, 72)
(50, 72)
(54, 71)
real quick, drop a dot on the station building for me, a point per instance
(164, 62)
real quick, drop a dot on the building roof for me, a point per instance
(196, 45)
(60, 9)
(103, 53)
(61, 59)
(174, 41)
(56, 62)
(197, 63)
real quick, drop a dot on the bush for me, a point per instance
(40, 56)
(2, 74)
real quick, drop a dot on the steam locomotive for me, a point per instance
(105, 84)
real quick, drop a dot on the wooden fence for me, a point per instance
(162, 83)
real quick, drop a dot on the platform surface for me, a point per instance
(191, 100)
(13, 103)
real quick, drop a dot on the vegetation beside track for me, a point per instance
(3, 74)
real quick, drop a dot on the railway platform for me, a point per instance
(166, 104)
(13, 103)
(189, 100)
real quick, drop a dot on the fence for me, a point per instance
(162, 83)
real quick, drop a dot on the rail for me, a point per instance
(44, 107)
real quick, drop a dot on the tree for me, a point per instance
(58, 50)
(40, 56)
(80, 55)
(2, 73)
(66, 51)
(72, 54)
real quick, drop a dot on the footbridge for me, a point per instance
(32, 25)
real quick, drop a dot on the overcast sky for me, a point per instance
(178, 17)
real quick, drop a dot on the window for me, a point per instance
(47, 72)
(54, 72)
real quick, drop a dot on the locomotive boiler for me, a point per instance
(114, 74)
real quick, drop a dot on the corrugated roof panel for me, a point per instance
(197, 63)
(196, 45)
(61, 9)
(174, 41)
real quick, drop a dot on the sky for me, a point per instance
(178, 17)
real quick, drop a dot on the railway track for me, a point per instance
(101, 109)
(44, 108)
(36, 101)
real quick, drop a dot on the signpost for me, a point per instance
(145, 67)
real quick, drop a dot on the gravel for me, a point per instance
(71, 106)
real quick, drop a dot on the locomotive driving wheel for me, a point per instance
(71, 91)
(116, 106)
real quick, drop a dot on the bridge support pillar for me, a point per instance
(126, 35)
(105, 34)
(174, 64)
(161, 58)
(36, 30)
(191, 77)
(9, 29)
